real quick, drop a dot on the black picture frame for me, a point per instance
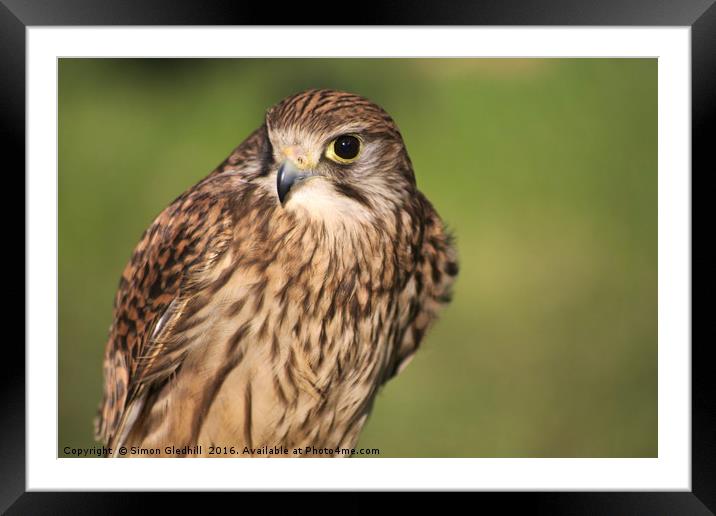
(700, 15)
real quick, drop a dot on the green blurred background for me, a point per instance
(546, 170)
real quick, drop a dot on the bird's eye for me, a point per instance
(344, 149)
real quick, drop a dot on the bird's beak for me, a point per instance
(288, 174)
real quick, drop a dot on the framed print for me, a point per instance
(453, 248)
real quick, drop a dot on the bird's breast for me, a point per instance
(289, 352)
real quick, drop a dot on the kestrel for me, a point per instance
(268, 303)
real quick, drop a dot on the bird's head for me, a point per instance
(335, 154)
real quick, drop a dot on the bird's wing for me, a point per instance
(160, 285)
(430, 288)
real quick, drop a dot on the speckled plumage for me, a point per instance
(242, 321)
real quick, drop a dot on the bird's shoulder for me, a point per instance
(166, 269)
(438, 262)
(430, 285)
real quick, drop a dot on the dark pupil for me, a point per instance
(346, 147)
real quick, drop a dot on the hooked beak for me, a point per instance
(288, 174)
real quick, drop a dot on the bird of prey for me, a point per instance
(269, 302)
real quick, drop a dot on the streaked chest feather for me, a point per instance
(289, 351)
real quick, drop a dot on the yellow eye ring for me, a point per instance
(345, 149)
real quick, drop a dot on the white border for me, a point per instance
(671, 471)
